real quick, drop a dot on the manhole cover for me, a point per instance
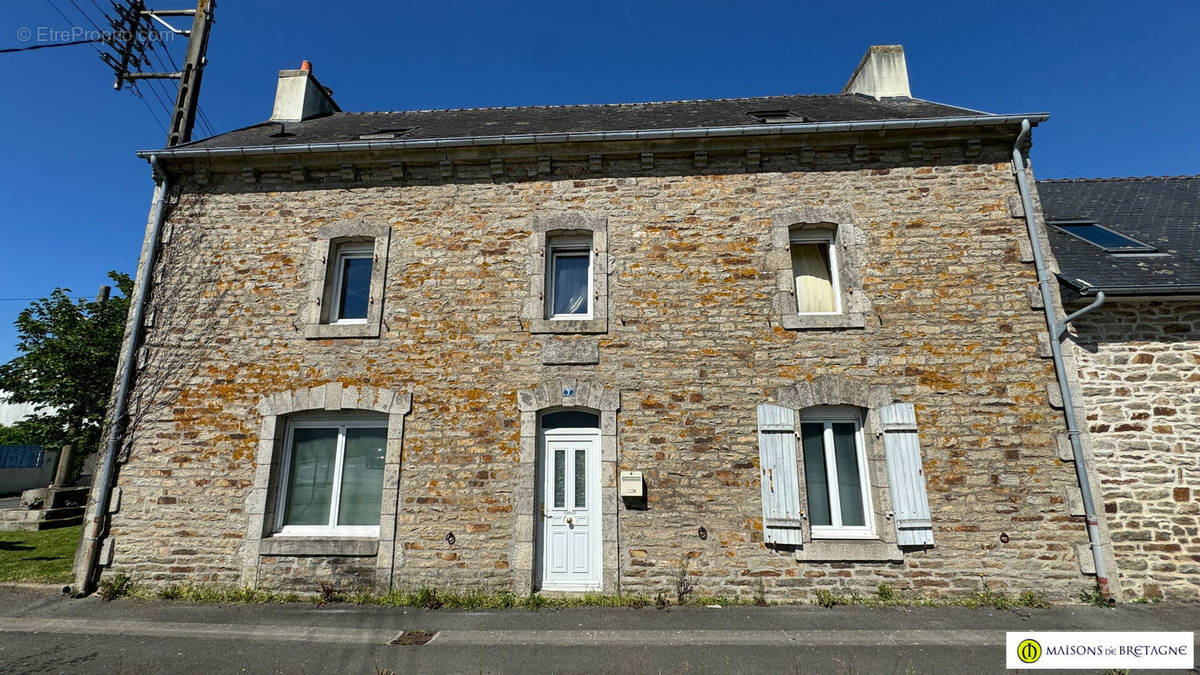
(412, 637)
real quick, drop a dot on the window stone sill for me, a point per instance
(321, 331)
(361, 547)
(823, 321)
(597, 325)
(848, 550)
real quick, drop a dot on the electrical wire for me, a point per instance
(13, 50)
(69, 22)
(141, 98)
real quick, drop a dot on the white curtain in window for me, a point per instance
(814, 281)
(571, 284)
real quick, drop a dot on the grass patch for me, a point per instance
(43, 557)
(886, 596)
(209, 594)
(119, 585)
(432, 598)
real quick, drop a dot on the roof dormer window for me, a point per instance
(1102, 237)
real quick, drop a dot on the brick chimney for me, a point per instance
(882, 72)
(299, 96)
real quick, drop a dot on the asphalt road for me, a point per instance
(40, 632)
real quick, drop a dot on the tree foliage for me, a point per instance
(68, 359)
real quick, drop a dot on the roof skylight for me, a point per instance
(776, 116)
(1103, 237)
(384, 134)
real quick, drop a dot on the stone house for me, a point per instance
(782, 343)
(1137, 240)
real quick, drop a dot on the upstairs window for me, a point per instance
(347, 265)
(1102, 237)
(569, 277)
(351, 291)
(835, 473)
(814, 270)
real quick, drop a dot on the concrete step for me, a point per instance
(25, 520)
(56, 523)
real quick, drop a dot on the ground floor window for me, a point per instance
(333, 469)
(835, 473)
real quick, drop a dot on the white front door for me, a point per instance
(570, 508)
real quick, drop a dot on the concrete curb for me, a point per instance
(56, 589)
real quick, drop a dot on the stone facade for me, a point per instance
(692, 343)
(1139, 373)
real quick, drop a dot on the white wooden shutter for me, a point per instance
(778, 475)
(906, 475)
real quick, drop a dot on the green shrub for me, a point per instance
(115, 586)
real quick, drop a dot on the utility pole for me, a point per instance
(131, 56)
(184, 116)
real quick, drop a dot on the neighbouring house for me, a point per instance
(22, 466)
(11, 413)
(787, 343)
(1137, 240)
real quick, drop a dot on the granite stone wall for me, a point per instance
(692, 346)
(1139, 370)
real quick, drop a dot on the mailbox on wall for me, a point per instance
(632, 484)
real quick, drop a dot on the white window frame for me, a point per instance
(349, 251)
(568, 246)
(829, 239)
(828, 415)
(342, 423)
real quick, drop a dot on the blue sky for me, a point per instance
(1118, 78)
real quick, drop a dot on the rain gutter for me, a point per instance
(748, 130)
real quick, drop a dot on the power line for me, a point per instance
(86, 16)
(161, 103)
(72, 297)
(30, 48)
(69, 22)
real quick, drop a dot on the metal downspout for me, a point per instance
(1056, 328)
(88, 555)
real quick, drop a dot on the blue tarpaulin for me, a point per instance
(21, 456)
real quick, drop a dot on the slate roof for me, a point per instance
(1161, 211)
(492, 122)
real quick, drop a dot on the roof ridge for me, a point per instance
(611, 105)
(1116, 178)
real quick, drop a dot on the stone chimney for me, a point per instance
(882, 72)
(299, 96)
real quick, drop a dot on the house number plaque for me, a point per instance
(568, 393)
